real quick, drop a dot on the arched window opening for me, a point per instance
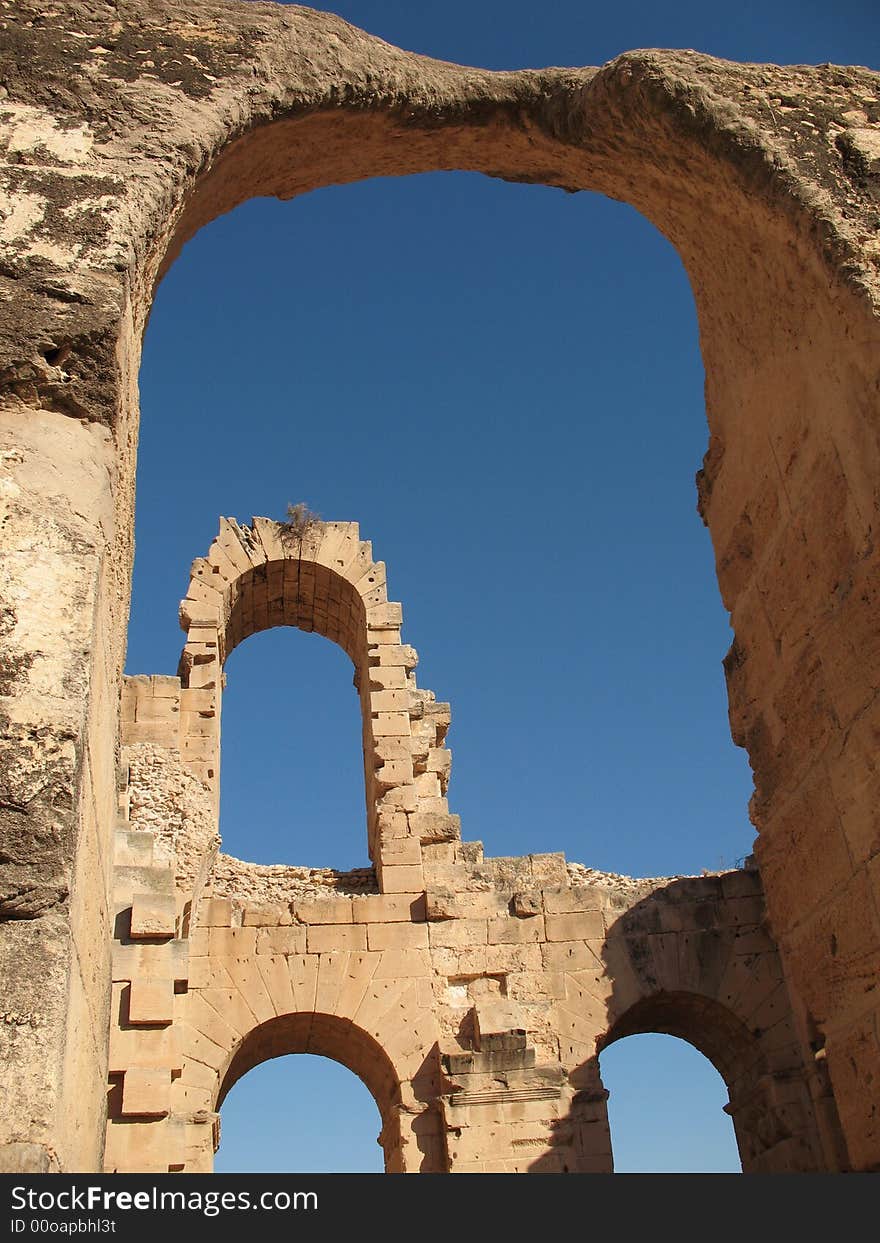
(286, 1116)
(528, 475)
(666, 1108)
(291, 773)
(512, 465)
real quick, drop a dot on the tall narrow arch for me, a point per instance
(322, 579)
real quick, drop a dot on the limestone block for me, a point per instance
(566, 901)
(497, 1017)
(548, 869)
(401, 851)
(428, 787)
(232, 942)
(431, 827)
(136, 961)
(508, 958)
(742, 911)
(459, 932)
(151, 1047)
(358, 975)
(743, 883)
(151, 1001)
(573, 956)
(205, 972)
(198, 942)
(199, 725)
(159, 733)
(133, 848)
(163, 711)
(377, 638)
(399, 799)
(436, 854)
(516, 931)
(266, 915)
(397, 936)
(324, 939)
(400, 654)
(380, 616)
(387, 677)
(389, 908)
(275, 973)
(146, 1092)
(403, 878)
(391, 748)
(583, 925)
(393, 723)
(153, 915)
(403, 964)
(289, 940)
(390, 701)
(199, 750)
(394, 773)
(330, 910)
(434, 804)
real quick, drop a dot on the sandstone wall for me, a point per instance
(471, 995)
(125, 130)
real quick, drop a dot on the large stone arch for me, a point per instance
(323, 579)
(758, 1104)
(763, 178)
(335, 1036)
(692, 957)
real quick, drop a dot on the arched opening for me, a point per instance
(315, 1116)
(666, 1108)
(452, 396)
(743, 259)
(326, 1036)
(781, 284)
(731, 1049)
(625, 667)
(291, 776)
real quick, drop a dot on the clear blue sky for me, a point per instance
(502, 384)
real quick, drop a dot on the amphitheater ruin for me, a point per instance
(142, 971)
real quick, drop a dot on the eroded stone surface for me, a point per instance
(124, 130)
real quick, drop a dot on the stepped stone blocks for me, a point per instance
(124, 130)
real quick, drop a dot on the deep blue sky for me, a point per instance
(502, 384)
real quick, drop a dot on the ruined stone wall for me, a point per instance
(123, 131)
(472, 995)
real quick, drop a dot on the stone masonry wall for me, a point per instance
(124, 129)
(472, 995)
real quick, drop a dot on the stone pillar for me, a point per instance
(61, 622)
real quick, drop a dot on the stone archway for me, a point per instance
(736, 1054)
(327, 1035)
(761, 177)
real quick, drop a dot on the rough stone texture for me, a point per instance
(473, 996)
(124, 129)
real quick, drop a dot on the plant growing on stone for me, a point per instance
(299, 522)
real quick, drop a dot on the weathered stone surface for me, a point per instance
(123, 132)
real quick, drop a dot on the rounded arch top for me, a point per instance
(326, 1035)
(319, 577)
(702, 1021)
